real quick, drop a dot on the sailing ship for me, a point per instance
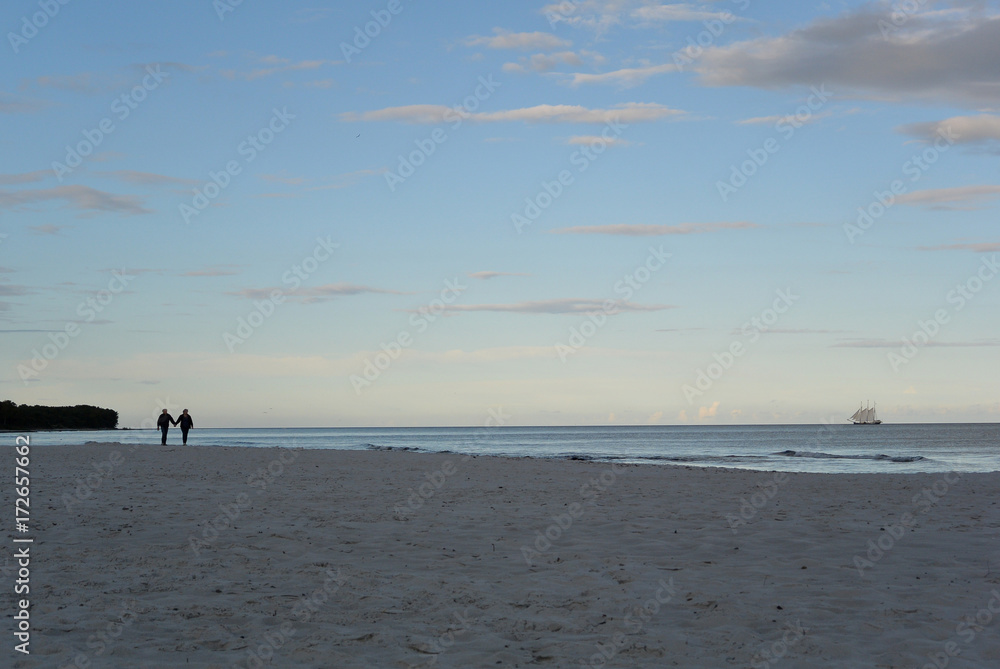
(865, 416)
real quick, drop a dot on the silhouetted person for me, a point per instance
(164, 422)
(186, 423)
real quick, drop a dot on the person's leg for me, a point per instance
(163, 441)
(184, 434)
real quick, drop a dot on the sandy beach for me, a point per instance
(223, 557)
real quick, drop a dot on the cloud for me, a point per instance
(561, 306)
(218, 270)
(982, 129)
(636, 230)
(787, 118)
(625, 78)
(770, 331)
(315, 295)
(894, 343)
(13, 104)
(79, 197)
(12, 290)
(591, 140)
(629, 112)
(653, 418)
(148, 178)
(951, 199)
(503, 39)
(601, 15)
(277, 66)
(984, 247)
(86, 83)
(545, 62)
(678, 12)
(709, 412)
(946, 58)
(47, 229)
(25, 177)
(492, 275)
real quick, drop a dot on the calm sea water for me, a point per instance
(804, 448)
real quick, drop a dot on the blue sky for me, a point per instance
(593, 212)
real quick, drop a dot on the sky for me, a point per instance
(594, 212)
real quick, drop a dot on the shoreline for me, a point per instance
(209, 556)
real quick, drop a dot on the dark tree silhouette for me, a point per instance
(34, 417)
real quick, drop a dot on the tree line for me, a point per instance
(34, 417)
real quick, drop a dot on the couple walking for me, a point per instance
(165, 420)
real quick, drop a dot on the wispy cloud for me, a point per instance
(82, 198)
(16, 104)
(787, 118)
(47, 229)
(982, 247)
(25, 177)
(276, 65)
(546, 62)
(217, 270)
(559, 306)
(624, 78)
(678, 12)
(503, 39)
(493, 275)
(951, 199)
(629, 112)
(639, 230)
(590, 140)
(982, 129)
(148, 178)
(316, 294)
(895, 343)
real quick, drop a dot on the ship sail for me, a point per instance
(865, 416)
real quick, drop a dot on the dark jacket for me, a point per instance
(185, 421)
(164, 420)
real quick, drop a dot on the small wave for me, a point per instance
(376, 447)
(835, 456)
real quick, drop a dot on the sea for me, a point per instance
(906, 448)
